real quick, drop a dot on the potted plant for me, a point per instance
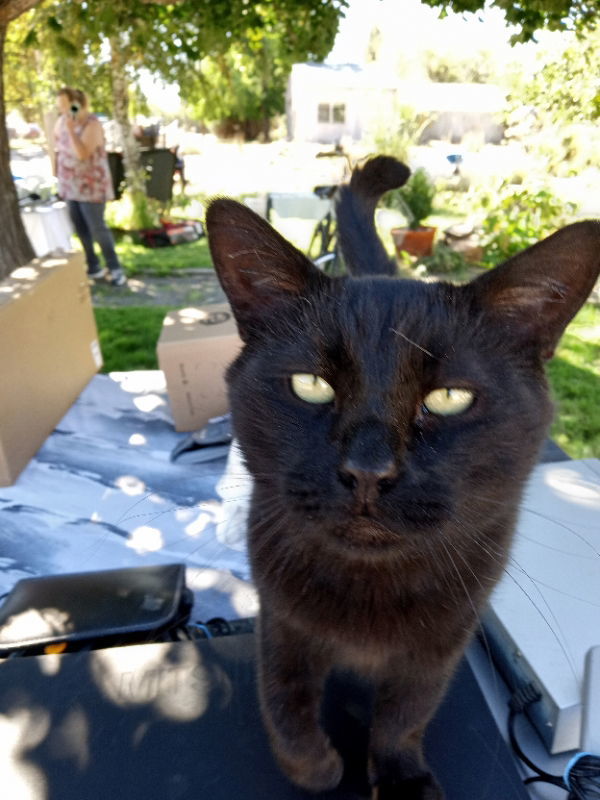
(415, 201)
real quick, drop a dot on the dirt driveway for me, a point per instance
(191, 287)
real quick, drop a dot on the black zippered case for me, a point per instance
(88, 610)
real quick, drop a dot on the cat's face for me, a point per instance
(380, 413)
(353, 379)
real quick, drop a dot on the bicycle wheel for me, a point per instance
(333, 262)
(323, 249)
(319, 243)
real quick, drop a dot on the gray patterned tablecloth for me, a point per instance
(102, 493)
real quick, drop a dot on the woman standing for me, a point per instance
(84, 180)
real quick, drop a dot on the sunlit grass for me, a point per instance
(128, 338)
(575, 378)
(136, 258)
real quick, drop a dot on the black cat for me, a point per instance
(389, 426)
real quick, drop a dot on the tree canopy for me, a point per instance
(230, 58)
(15, 247)
(11, 9)
(566, 87)
(245, 82)
(533, 15)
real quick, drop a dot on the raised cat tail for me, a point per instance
(362, 249)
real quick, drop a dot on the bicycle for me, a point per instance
(324, 250)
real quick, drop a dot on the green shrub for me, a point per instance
(444, 260)
(414, 199)
(517, 218)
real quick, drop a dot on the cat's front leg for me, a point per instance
(291, 678)
(397, 766)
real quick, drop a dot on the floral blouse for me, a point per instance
(86, 180)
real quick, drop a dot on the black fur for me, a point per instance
(361, 247)
(377, 528)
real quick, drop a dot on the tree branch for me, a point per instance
(11, 9)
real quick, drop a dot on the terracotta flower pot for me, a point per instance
(417, 242)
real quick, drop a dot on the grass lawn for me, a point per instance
(136, 258)
(575, 378)
(128, 338)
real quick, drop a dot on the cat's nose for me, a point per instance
(367, 482)
(368, 467)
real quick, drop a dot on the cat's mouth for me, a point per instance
(372, 529)
(363, 531)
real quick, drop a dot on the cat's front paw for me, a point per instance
(315, 773)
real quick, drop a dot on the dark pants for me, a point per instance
(89, 224)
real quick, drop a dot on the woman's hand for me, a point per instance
(91, 136)
(70, 122)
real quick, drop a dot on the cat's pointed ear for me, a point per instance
(257, 267)
(536, 293)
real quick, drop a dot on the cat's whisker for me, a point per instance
(585, 600)
(410, 341)
(552, 623)
(463, 585)
(565, 527)
(547, 546)
(495, 557)
(442, 574)
(468, 525)
(466, 563)
(269, 530)
(276, 515)
(546, 621)
(547, 518)
(142, 499)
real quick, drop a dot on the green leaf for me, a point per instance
(54, 24)
(31, 39)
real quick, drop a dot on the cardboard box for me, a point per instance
(48, 352)
(195, 347)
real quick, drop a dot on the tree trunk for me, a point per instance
(15, 247)
(266, 127)
(266, 83)
(134, 172)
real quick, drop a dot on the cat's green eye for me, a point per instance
(311, 388)
(447, 402)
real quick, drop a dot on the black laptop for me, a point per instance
(180, 721)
